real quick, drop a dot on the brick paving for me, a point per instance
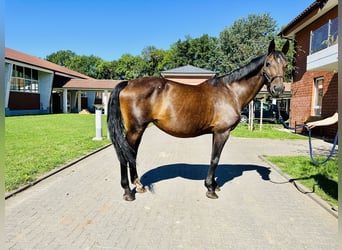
(81, 207)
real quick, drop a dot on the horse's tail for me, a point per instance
(116, 127)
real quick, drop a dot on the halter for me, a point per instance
(270, 79)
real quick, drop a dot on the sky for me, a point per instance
(110, 28)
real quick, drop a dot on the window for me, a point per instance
(325, 36)
(24, 79)
(318, 95)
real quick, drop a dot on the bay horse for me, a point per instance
(212, 107)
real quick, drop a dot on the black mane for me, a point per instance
(249, 69)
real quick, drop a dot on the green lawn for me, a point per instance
(321, 179)
(272, 131)
(35, 145)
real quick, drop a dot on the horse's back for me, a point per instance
(143, 87)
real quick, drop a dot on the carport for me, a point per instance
(81, 94)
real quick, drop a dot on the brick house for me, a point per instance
(315, 78)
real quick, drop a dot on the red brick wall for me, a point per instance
(23, 101)
(303, 82)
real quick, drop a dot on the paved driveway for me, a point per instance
(82, 207)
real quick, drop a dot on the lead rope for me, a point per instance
(315, 162)
(331, 153)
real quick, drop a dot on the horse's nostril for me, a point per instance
(278, 88)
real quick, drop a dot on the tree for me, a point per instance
(193, 51)
(83, 64)
(153, 59)
(106, 70)
(200, 51)
(129, 67)
(178, 55)
(61, 57)
(86, 65)
(245, 39)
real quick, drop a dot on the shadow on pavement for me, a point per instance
(224, 173)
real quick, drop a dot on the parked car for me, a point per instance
(271, 113)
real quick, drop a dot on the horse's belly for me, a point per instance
(183, 128)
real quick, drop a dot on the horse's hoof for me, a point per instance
(212, 195)
(140, 190)
(218, 189)
(128, 197)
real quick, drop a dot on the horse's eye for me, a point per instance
(268, 64)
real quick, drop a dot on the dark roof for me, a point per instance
(15, 55)
(316, 5)
(91, 84)
(189, 70)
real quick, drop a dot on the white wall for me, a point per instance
(8, 74)
(45, 89)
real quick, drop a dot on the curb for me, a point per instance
(313, 196)
(53, 172)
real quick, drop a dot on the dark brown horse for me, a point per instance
(181, 110)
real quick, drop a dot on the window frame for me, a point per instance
(24, 79)
(317, 96)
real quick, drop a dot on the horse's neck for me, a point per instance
(246, 89)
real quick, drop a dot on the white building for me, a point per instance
(29, 84)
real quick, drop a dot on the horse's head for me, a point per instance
(274, 69)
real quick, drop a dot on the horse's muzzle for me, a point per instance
(276, 90)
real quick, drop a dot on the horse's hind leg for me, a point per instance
(134, 139)
(128, 195)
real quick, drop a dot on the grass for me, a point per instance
(321, 179)
(35, 145)
(271, 131)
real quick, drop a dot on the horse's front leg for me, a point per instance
(219, 140)
(139, 187)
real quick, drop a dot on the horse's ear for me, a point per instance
(271, 48)
(286, 47)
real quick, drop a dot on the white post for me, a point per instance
(98, 123)
(105, 101)
(250, 115)
(261, 112)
